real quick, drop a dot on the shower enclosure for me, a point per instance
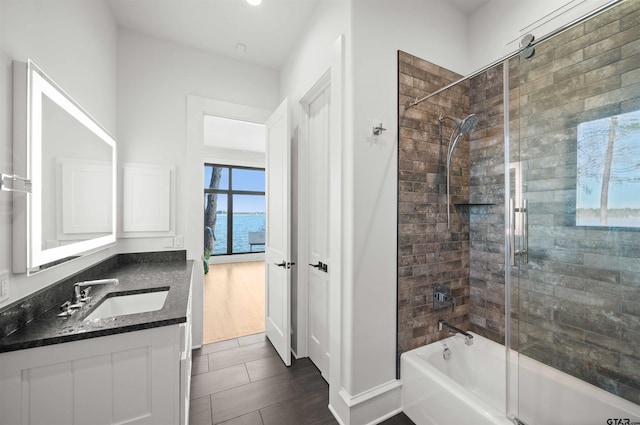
(574, 176)
(543, 253)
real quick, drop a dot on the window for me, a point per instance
(234, 209)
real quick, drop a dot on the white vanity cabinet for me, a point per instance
(137, 377)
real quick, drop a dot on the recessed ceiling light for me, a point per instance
(254, 2)
(241, 48)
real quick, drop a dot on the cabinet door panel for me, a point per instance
(48, 394)
(129, 378)
(90, 373)
(131, 383)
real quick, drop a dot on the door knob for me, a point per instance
(283, 264)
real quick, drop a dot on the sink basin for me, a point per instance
(118, 305)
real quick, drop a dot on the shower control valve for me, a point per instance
(439, 296)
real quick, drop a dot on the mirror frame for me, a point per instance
(30, 84)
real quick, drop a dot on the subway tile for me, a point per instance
(630, 78)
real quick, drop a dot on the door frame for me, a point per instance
(332, 75)
(197, 108)
(324, 82)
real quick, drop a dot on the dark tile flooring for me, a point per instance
(242, 381)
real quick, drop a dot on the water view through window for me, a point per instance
(234, 203)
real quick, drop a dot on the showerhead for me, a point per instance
(463, 127)
(468, 123)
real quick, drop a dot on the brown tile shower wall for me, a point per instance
(486, 209)
(577, 306)
(429, 254)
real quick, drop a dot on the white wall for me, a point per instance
(154, 79)
(75, 43)
(496, 28)
(433, 31)
(309, 60)
(374, 31)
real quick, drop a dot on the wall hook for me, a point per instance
(378, 130)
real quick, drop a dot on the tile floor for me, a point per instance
(242, 381)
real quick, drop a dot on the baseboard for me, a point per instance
(372, 406)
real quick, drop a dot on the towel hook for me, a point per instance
(378, 130)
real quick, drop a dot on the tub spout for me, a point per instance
(468, 338)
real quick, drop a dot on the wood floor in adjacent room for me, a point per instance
(242, 381)
(233, 300)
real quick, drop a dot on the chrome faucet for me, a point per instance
(82, 295)
(468, 338)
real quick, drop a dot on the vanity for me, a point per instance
(125, 369)
(119, 352)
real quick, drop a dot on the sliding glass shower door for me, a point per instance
(574, 211)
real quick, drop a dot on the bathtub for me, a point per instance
(469, 389)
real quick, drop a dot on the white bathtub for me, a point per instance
(469, 389)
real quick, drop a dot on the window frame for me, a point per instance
(230, 193)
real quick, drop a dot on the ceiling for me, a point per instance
(268, 31)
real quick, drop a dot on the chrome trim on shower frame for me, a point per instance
(508, 56)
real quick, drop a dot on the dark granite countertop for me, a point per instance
(133, 278)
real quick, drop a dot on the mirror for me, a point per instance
(71, 162)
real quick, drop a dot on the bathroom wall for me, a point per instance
(154, 79)
(429, 253)
(75, 43)
(380, 29)
(469, 256)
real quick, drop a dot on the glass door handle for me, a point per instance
(512, 232)
(524, 233)
(524, 252)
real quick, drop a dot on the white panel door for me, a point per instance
(318, 248)
(278, 249)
